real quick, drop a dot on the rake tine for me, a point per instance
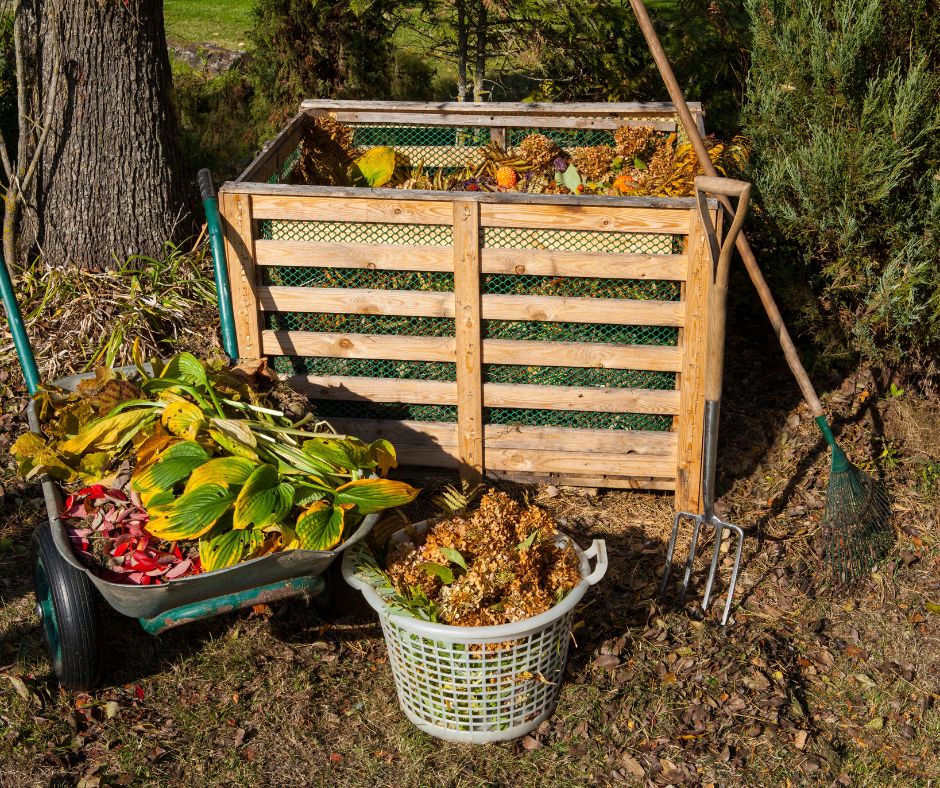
(719, 532)
(669, 552)
(690, 560)
(734, 572)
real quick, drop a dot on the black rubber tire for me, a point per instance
(74, 624)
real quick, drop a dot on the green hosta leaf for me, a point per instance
(454, 557)
(440, 571)
(107, 433)
(264, 500)
(345, 454)
(305, 494)
(172, 465)
(187, 368)
(639, 164)
(233, 446)
(183, 419)
(376, 166)
(320, 526)
(93, 466)
(192, 514)
(224, 549)
(384, 455)
(374, 495)
(235, 430)
(230, 471)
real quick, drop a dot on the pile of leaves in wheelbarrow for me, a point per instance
(189, 466)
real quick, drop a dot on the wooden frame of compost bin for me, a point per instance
(667, 460)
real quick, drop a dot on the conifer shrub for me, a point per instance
(843, 114)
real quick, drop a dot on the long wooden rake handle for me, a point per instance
(744, 248)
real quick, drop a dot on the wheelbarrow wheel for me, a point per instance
(67, 608)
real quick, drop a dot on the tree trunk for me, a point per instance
(110, 183)
(463, 46)
(479, 67)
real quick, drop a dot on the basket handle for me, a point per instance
(597, 551)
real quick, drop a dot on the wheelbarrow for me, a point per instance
(68, 592)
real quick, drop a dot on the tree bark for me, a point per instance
(110, 182)
(479, 67)
(463, 46)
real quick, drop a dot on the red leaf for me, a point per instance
(139, 692)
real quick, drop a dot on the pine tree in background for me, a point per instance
(844, 121)
(318, 49)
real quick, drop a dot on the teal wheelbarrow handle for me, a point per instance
(24, 351)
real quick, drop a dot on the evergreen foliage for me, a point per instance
(318, 49)
(843, 115)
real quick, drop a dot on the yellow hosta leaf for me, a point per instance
(222, 470)
(183, 419)
(374, 495)
(105, 433)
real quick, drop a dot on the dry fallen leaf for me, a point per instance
(799, 740)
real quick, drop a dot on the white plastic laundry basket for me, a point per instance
(479, 684)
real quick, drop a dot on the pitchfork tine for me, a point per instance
(734, 573)
(669, 552)
(691, 559)
(719, 532)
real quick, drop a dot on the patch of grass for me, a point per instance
(222, 22)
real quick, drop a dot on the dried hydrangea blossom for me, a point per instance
(514, 568)
(631, 141)
(593, 161)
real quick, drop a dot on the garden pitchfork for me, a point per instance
(715, 356)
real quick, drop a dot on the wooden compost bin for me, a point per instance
(552, 337)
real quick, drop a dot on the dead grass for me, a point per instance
(810, 684)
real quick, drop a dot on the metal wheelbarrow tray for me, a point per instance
(158, 607)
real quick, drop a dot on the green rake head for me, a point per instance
(857, 525)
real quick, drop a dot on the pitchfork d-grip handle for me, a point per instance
(721, 265)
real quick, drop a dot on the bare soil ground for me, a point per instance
(810, 684)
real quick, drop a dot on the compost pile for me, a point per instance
(190, 466)
(641, 161)
(497, 565)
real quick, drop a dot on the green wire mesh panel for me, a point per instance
(367, 368)
(392, 411)
(579, 376)
(577, 287)
(360, 324)
(359, 278)
(579, 332)
(564, 138)
(581, 241)
(355, 232)
(577, 419)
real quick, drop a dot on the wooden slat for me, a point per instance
(581, 480)
(504, 436)
(408, 303)
(560, 461)
(596, 399)
(374, 257)
(272, 156)
(495, 351)
(510, 121)
(356, 193)
(386, 211)
(581, 354)
(691, 381)
(372, 346)
(469, 351)
(535, 262)
(497, 108)
(345, 301)
(543, 262)
(495, 395)
(235, 210)
(337, 387)
(640, 220)
(583, 310)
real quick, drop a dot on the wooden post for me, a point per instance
(468, 305)
(240, 256)
(692, 378)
